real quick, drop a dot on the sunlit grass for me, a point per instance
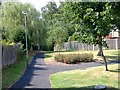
(87, 79)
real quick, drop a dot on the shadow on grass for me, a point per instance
(49, 51)
(112, 57)
(60, 51)
(85, 88)
(47, 56)
(117, 70)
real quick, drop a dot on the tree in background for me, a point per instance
(56, 30)
(115, 13)
(47, 18)
(58, 34)
(13, 23)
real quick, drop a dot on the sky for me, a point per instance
(39, 3)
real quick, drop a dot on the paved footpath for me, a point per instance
(37, 74)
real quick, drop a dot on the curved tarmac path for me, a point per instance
(37, 74)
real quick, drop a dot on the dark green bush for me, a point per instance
(74, 58)
(20, 54)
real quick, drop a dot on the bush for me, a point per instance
(71, 58)
(59, 58)
(74, 58)
(20, 54)
(19, 37)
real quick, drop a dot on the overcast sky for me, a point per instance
(39, 3)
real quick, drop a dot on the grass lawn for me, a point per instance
(110, 54)
(87, 79)
(13, 72)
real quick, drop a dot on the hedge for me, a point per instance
(74, 58)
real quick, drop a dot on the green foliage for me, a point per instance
(74, 58)
(92, 21)
(7, 42)
(56, 30)
(19, 36)
(20, 54)
(47, 56)
(115, 8)
(12, 25)
(11, 17)
(81, 21)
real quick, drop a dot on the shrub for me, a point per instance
(59, 58)
(71, 58)
(74, 58)
(20, 54)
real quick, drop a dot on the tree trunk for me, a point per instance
(99, 50)
(100, 53)
(105, 61)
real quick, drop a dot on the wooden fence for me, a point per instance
(74, 45)
(9, 54)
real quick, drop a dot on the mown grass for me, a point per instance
(87, 79)
(13, 72)
(110, 54)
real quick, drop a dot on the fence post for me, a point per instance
(82, 46)
(93, 48)
(116, 44)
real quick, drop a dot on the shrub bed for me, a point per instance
(74, 58)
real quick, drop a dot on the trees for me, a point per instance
(47, 18)
(13, 23)
(115, 8)
(58, 34)
(9, 19)
(56, 30)
(92, 23)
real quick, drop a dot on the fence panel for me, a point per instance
(9, 54)
(74, 45)
(111, 43)
(118, 43)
